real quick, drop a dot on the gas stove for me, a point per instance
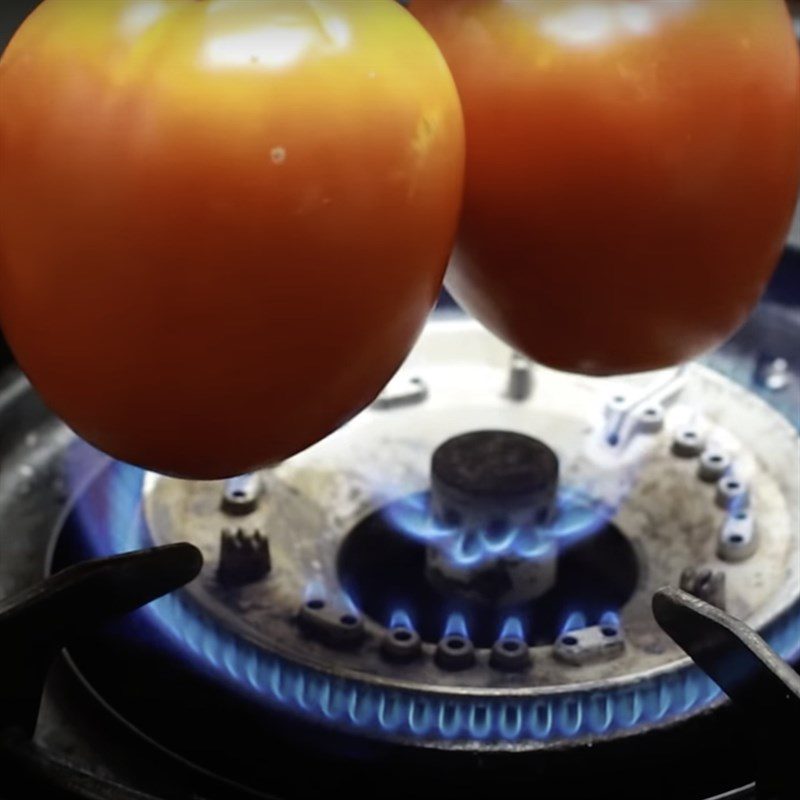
(452, 595)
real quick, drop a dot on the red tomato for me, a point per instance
(222, 222)
(631, 170)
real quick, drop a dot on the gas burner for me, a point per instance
(491, 494)
(470, 563)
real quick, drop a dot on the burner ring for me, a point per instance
(358, 689)
(494, 718)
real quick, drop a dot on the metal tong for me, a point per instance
(764, 689)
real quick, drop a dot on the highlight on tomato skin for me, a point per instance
(631, 171)
(222, 223)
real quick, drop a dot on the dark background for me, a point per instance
(12, 12)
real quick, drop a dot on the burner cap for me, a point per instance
(485, 487)
(493, 480)
(492, 463)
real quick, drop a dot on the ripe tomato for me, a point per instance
(631, 170)
(222, 222)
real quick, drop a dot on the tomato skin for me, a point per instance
(631, 171)
(222, 222)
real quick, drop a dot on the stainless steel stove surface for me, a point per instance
(451, 595)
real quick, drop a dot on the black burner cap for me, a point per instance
(495, 463)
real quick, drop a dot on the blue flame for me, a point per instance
(468, 549)
(498, 542)
(530, 543)
(577, 516)
(456, 625)
(413, 516)
(111, 515)
(315, 590)
(401, 619)
(512, 629)
(574, 622)
(609, 620)
(349, 603)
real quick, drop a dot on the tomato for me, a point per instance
(631, 170)
(222, 222)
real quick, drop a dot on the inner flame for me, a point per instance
(512, 629)
(401, 619)
(456, 625)
(609, 620)
(574, 622)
